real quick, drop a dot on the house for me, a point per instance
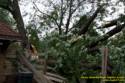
(7, 35)
(8, 68)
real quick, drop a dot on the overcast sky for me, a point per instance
(27, 10)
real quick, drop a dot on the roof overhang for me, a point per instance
(11, 38)
(7, 33)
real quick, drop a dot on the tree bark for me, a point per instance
(106, 36)
(86, 27)
(61, 18)
(69, 17)
(19, 20)
(112, 23)
(39, 77)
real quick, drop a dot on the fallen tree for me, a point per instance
(39, 77)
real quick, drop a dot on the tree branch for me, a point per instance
(86, 27)
(20, 23)
(69, 17)
(112, 23)
(61, 18)
(79, 4)
(106, 36)
(71, 12)
(14, 9)
(46, 14)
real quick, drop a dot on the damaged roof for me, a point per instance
(7, 33)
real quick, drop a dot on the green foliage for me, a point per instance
(5, 14)
(5, 17)
(68, 57)
(33, 35)
(4, 2)
(73, 61)
(117, 53)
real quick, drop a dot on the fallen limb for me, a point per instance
(86, 27)
(112, 23)
(39, 77)
(106, 36)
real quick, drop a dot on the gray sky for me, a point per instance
(27, 10)
(26, 7)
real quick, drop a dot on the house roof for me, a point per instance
(7, 33)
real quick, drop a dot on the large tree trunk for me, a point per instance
(19, 20)
(38, 76)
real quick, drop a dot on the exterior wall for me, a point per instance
(8, 64)
(7, 68)
(2, 68)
